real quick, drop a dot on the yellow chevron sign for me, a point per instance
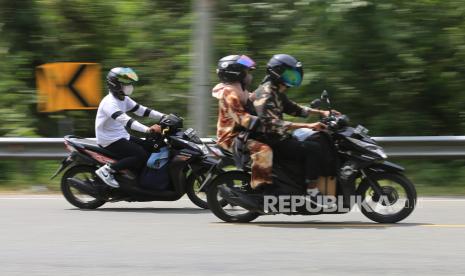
(68, 86)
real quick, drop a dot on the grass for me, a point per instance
(431, 178)
(438, 177)
(28, 176)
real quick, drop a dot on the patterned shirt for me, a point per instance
(232, 114)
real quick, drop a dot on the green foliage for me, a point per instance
(397, 67)
(122, 33)
(440, 177)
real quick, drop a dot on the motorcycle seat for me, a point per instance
(89, 144)
(100, 150)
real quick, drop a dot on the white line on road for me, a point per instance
(42, 197)
(30, 198)
(442, 199)
(54, 197)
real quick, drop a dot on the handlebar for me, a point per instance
(335, 122)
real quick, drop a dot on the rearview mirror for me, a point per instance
(325, 95)
(316, 103)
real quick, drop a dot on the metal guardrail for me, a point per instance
(423, 146)
(32, 148)
(399, 147)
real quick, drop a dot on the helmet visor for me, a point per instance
(292, 77)
(127, 76)
(246, 61)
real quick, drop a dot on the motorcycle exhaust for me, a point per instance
(83, 187)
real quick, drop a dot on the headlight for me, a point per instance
(370, 147)
(204, 149)
(361, 130)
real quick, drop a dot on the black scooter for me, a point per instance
(364, 179)
(188, 161)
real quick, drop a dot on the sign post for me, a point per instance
(199, 97)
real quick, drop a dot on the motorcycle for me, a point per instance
(364, 179)
(182, 161)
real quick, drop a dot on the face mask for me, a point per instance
(128, 89)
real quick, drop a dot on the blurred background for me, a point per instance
(396, 67)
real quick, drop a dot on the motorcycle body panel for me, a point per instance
(356, 160)
(183, 154)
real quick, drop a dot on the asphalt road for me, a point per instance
(44, 235)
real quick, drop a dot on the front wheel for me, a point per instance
(74, 196)
(397, 201)
(194, 182)
(223, 209)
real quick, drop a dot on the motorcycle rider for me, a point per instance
(236, 113)
(271, 102)
(111, 122)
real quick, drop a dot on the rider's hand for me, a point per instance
(326, 113)
(154, 129)
(252, 96)
(318, 126)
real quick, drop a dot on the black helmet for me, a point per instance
(285, 69)
(233, 68)
(120, 77)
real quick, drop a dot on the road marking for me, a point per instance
(30, 198)
(445, 225)
(442, 200)
(24, 197)
(6, 197)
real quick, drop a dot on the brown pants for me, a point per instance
(262, 162)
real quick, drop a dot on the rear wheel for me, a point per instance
(397, 201)
(74, 196)
(229, 212)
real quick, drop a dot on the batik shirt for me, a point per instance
(232, 114)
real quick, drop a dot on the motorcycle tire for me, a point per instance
(72, 195)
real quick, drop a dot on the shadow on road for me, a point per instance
(186, 210)
(332, 225)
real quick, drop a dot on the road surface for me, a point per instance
(44, 235)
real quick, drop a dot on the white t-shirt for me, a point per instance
(112, 119)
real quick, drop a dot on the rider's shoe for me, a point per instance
(106, 174)
(265, 189)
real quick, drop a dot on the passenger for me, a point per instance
(234, 115)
